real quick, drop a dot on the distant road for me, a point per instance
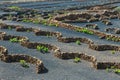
(20, 1)
(17, 1)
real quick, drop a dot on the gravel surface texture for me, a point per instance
(57, 69)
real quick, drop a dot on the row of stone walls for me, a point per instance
(55, 49)
(69, 55)
(87, 17)
(63, 55)
(63, 39)
(58, 53)
(75, 28)
(73, 16)
(39, 32)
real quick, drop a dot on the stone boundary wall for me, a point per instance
(71, 55)
(104, 47)
(22, 29)
(5, 26)
(74, 39)
(75, 28)
(33, 45)
(4, 36)
(114, 30)
(4, 56)
(39, 32)
(45, 33)
(88, 17)
(105, 65)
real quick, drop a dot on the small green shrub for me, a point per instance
(24, 64)
(51, 24)
(117, 9)
(50, 15)
(117, 39)
(20, 40)
(45, 50)
(117, 71)
(9, 27)
(110, 69)
(113, 51)
(113, 69)
(77, 59)
(56, 25)
(39, 48)
(107, 69)
(44, 22)
(36, 21)
(78, 30)
(48, 35)
(26, 20)
(42, 49)
(14, 40)
(14, 7)
(85, 30)
(78, 42)
(108, 38)
(114, 39)
(28, 30)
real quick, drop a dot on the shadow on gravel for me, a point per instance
(44, 71)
